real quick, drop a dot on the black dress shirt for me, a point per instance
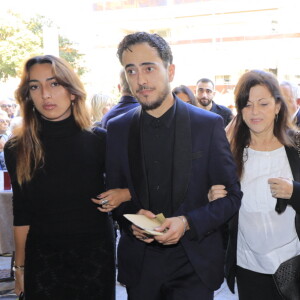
(157, 145)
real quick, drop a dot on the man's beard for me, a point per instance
(206, 101)
(156, 103)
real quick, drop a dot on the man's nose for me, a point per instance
(142, 79)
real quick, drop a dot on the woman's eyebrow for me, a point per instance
(35, 80)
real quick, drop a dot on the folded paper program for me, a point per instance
(145, 223)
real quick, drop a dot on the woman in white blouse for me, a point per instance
(264, 148)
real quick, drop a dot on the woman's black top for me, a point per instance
(56, 202)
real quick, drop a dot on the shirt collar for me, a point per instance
(164, 120)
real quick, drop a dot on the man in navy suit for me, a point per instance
(126, 103)
(168, 153)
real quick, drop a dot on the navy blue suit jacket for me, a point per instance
(125, 104)
(201, 159)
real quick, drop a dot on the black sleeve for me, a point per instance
(21, 206)
(294, 201)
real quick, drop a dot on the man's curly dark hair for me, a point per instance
(154, 40)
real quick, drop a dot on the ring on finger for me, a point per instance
(104, 202)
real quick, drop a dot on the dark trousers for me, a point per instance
(168, 275)
(256, 286)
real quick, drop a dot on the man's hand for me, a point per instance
(175, 228)
(140, 233)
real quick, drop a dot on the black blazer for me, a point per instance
(230, 266)
(201, 158)
(223, 111)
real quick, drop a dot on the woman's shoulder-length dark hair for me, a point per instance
(240, 136)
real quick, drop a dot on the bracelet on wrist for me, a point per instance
(18, 268)
(184, 221)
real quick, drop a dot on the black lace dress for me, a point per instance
(70, 246)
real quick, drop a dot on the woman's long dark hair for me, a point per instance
(240, 135)
(26, 140)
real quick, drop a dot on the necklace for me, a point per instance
(265, 145)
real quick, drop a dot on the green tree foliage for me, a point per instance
(21, 39)
(17, 43)
(71, 55)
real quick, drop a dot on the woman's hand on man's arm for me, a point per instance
(111, 199)
(216, 192)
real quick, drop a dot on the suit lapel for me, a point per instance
(136, 160)
(182, 154)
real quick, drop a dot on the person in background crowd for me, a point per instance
(64, 247)
(100, 105)
(185, 94)
(168, 153)
(4, 125)
(9, 106)
(290, 94)
(126, 103)
(15, 108)
(264, 233)
(15, 122)
(205, 92)
(2, 160)
(4, 135)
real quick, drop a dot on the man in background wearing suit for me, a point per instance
(169, 154)
(126, 103)
(205, 92)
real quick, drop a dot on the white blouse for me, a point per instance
(265, 238)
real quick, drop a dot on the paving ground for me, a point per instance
(6, 288)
